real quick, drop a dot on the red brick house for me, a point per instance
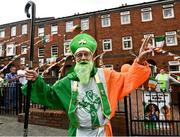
(117, 31)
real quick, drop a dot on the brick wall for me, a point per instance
(58, 119)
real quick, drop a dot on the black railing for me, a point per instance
(154, 113)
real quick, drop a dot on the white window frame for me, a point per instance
(125, 15)
(144, 13)
(24, 29)
(22, 60)
(109, 42)
(23, 49)
(40, 31)
(125, 39)
(10, 49)
(41, 62)
(174, 63)
(67, 50)
(2, 33)
(54, 50)
(13, 31)
(69, 25)
(165, 9)
(85, 24)
(171, 34)
(54, 29)
(105, 20)
(2, 50)
(40, 50)
(152, 38)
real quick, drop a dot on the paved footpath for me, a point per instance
(10, 127)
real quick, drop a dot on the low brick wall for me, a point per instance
(51, 118)
(58, 119)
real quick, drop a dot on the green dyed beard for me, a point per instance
(83, 70)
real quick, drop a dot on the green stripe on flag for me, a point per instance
(159, 41)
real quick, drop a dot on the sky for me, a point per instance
(13, 10)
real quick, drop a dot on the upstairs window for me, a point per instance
(10, 50)
(2, 33)
(23, 60)
(54, 50)
(54, 29)
(125, 17)
(13, 31)
(152, 40)
(1, 50)
(24, 29)
(41, 31)
(171, 39)
(24, 49)
(168, 11)
(174, 66)
(40, 52)
(127, 42)
(85, 24)
(107, 45)
(105, 20)
(146, 14)
(66, 47)
(69, 26)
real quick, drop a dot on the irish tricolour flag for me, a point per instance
(159, 41)
(152, 82)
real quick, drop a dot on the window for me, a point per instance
(23, 49)
(125, 17)
(107, 45)
(41, 62)
(146, 14)
(66, 47)
(22, 60)
(85, 24)
(13, 31)
(152, 40)
(24, 29)
(54, 50)
(171, 39)
(105, 20)
(1, 50)
(41, 31)
(174, 66)
(10, 50)
(127, 42)
(69, 26)
(2, 33)
(54, 29)
(40, 52)
(168, 11)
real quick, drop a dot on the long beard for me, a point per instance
(83, 71)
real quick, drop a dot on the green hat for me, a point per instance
(83, 41)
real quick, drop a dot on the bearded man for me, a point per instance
(89, 95)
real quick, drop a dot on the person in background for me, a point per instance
(164, 81)
(10, 94)
(89, 94)
(21, 74)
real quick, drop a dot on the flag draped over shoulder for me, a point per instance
(159, 41)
